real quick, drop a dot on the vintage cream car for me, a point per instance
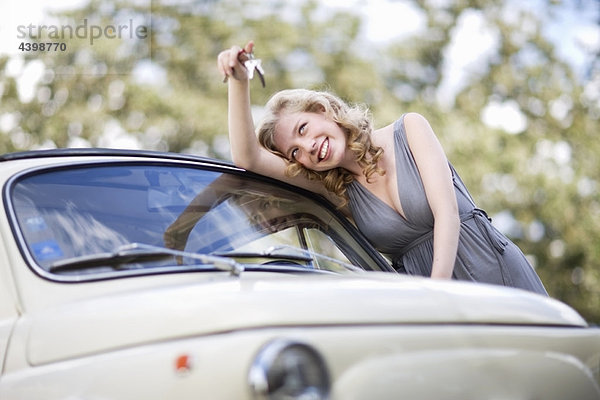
(140, 275)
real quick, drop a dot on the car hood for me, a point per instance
(258, 300)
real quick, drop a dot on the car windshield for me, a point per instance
(67, 214)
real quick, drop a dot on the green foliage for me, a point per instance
(545, 177)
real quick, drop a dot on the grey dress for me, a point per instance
(484, 254)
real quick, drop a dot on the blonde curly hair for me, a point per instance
(355, 121)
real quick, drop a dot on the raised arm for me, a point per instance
(246, 151)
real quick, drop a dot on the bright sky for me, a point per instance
(473, 41)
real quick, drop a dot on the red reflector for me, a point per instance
(182, 363)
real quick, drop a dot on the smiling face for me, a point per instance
(311, 139)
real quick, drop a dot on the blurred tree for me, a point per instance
(538, 175)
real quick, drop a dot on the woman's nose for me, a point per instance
(310, 145)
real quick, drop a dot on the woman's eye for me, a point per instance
(294, 154)
(301, 129)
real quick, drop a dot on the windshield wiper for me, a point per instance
(289, 253)
(139, 252)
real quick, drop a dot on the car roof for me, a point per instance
(78, 152)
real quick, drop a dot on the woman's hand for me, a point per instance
(230, 65)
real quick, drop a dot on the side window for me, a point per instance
(286, 237)
(319, 242)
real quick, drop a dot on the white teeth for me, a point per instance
(324, 148)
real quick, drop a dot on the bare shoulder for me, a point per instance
(423, 142)
(415, 123)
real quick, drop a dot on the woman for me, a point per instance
(396, 181)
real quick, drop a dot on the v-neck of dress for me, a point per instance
(372, 195)
(377, 198)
